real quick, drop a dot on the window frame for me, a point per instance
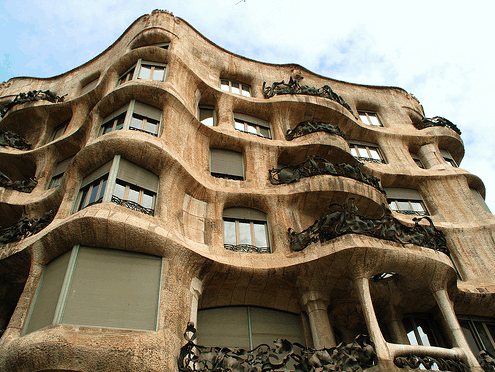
(251, 121)
(224, 82)
(56, 134)
(128, 112)
(134, 72)
(355, 146)
(368, 115)
(238, 215)
(433, 331)
(229, 176)
(472, 321)
(86, 192)
(411, 211)
(449, 158)
(213, 117)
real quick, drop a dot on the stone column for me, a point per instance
(454, 328)
(316, 305)
(431, 156)
(196, 290)
(363, 289)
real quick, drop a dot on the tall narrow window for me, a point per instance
(59, 131)
(93, 187)
(98, 288)
(235, 87)
(134, 116)
(144, 70)
(58, 173)
(226, 164)
(479, 333)
(370, 118)
(448, 158)
(252, 125)
(417, 160)
(480, 200)
(406, 201)
(245, 230)
(366, 152)
(207, 115)
(422, 331)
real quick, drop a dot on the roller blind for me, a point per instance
(48, 294)
(135, 175)
(402, 193)
(116, 113)
(112, 288)
(244, 214)
(226, 162)
(62, 166)
(96, 174)
(267, 325)
(252, 119)
(147, 110)
(85, 89)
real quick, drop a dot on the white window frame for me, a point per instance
(412, 210)
(135, 71)
(358, 147)
(236, 87)
(370, 118)
(251, 217)
(252, 125)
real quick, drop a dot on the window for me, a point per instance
(207, 115)
(448, 158)
(226, 164)
(144, 70)
(134, 116)
(89, 86)
(58, 173)
(479, 333)
(132, 187)
(252, 125)
(163, 45)
(406, 201)
(235, 87)
(247, 327)
(480, 200)
(417, 160)
(370, 118)
(100, 288)
(59, 131)
(422, 331)
(245, 230)
(366, 152)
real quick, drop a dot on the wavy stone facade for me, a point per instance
(155, 158)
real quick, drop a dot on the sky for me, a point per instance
(440, 51)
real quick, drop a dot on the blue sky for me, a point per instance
(437, 50)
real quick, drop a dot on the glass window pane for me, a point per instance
(239, 126)
(120, 122)
(244, 233)
(260, 234)
(145, 72)
(374, 120)
(404, 205)
(83, 198)
(208, 121)
(235, 88)
(265, 132)
(224, 84)
(246, 90)
(147, 200)
(466, 329)
(119, 190)
(229, 232)
(362, 152)
(354, 152)
(107, 127)
(133, 194)
(374, 154)
(151, 127)
(252, 129)
(94, 192)
(424, 336)
(393, 206)
(159, 73)
(136, 122)
(417, 207)
(364, 118)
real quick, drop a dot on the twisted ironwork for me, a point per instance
(11, 139)
(487, 361)
(32, 96)
(347, 221)
(283, 356)
(293, 87)
(428, 362)
(437, 121)
(25, 227)
(132, 205)
(315, 165)
(22, 186)
(246, 248)
(306, 127)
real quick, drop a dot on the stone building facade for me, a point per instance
(170, 182)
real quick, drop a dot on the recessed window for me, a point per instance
(132, 187)
(366, 152)
(245, 230)
(479, 333)
(226, 164)
(480, 200)
(134, 116)
(89, 86)
(370, 118)
(247, 327)
(59, 131)
(58, 173)
(448, 158)
(207, 115)
(406, 201)
(144, 70)
(98, 288)
(252, 125)
(235, 87)
(422, 331)
(417, 160)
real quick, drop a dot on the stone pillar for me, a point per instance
(454, 328)
(196, 290)
(382, 351)
(431, 156)
(316, 305)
